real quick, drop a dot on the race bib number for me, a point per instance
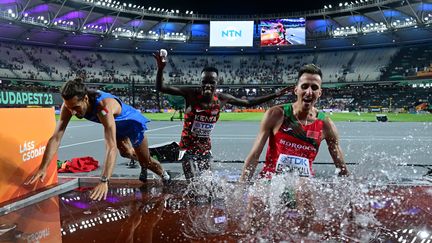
(289, 163)
(203, 129)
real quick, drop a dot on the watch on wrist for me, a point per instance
(104, 179)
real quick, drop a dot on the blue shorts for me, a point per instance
(133, 129)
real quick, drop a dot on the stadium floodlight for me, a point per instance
(187, 11)
(340, 4)
(325, 6)
(158, 9)
(177, 11)
(345, 31)
(191, 12)
(130, 5)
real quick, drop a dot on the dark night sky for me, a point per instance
(236, 6)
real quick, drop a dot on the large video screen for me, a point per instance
(231, 33)
(283, 32)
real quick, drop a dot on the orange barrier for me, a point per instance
(24, 133)
(36, 223)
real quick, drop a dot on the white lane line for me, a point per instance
(88, 125)
(162, 128)
(102, 139)
(86, 142)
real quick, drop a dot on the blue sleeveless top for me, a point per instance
(129, 123)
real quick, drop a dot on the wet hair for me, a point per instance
(210, 69)
(309, 68)
(76, 87)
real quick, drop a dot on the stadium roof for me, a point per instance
(238, 7)
(128, 26)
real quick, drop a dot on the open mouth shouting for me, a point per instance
(307, 100)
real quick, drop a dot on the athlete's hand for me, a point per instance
(39, 175)
(159, 62)
(283, 91)
(99, 192)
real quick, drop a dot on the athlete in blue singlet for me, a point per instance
(124, 129)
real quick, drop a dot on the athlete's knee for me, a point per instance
(127, 154)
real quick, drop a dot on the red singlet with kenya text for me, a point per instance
(294, 146)
(198, 125)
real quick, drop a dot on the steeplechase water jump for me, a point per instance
(154, 125)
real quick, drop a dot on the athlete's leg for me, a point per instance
(204, 162)
(143, 154)
(125, 148)
(304, 201)
(195, 164)
(188, 166)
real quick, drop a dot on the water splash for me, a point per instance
(335, 209)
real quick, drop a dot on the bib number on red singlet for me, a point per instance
(203, 129)
(289, 163)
